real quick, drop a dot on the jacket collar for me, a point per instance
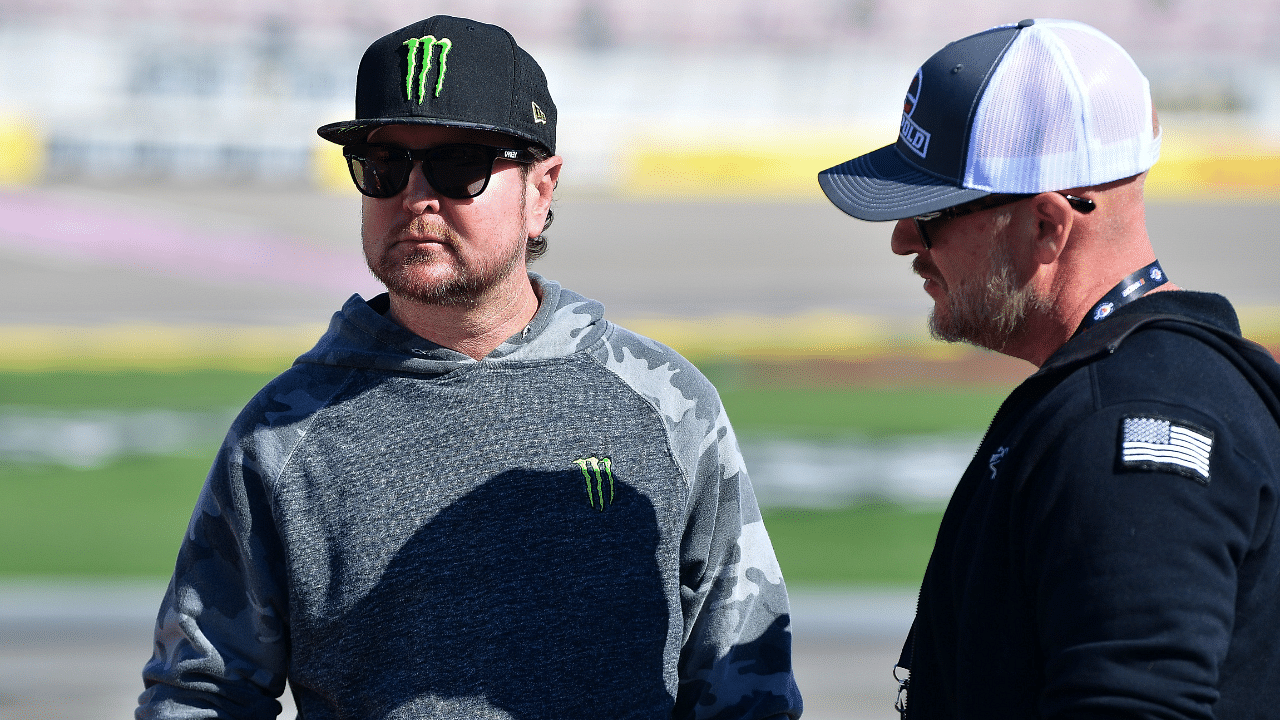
(1208, 310)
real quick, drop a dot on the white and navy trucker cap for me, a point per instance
(1038, 106)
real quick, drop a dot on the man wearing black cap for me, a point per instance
(1112, 549)
(475, 497)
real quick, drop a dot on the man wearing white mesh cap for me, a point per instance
(1112, 550)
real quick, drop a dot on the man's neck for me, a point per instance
(474, 329)
(1046, 333)
(1100, 250)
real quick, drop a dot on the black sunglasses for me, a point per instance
(458, 171)
(1081, 205)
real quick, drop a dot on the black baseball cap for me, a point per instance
(1036, 106)
(454, 72)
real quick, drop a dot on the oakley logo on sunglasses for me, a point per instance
(429, 42)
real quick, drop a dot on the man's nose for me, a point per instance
(907, 239)
(418, 194)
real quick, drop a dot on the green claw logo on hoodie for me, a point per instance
(597, 469)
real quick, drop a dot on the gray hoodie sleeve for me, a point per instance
(221, 639)
(735, 659)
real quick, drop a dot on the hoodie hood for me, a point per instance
(361, 335)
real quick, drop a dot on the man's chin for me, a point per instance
(442, 294)
(441, 279)
(940, 328)
(410, 283)
(943, 326)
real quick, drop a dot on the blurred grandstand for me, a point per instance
(138, 138)
(656, 96)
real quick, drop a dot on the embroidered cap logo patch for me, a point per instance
(915, 137)
(425, 45)
(1151, 443)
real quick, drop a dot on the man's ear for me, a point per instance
(1053, 218)
(543, 177)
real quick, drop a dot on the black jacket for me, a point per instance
(1112, 549)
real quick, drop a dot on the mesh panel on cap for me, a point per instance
(1027, 112)
(1111, 86)
(1065, 108)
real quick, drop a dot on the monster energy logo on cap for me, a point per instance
(429, 42)
(492, 84)
(599, 469)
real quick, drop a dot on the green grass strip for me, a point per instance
(804, 412)
(128, 518)
(875, 412)
(871, 544)
(124, 519)
(118, 389)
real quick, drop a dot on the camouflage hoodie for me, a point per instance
(562, 530)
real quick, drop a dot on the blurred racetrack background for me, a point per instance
(173, 233)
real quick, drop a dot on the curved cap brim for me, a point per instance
(881, 186)
(357, 131)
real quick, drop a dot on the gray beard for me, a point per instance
(988, 313)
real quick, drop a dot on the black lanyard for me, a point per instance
(1131, 288)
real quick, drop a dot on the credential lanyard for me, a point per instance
(1131, 288)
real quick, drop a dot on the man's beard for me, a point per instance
(466, 285)
(988, 312)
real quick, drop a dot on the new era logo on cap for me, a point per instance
(1038, 106)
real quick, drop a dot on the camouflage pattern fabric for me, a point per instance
(563, 529)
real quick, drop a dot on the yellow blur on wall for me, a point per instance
(777, 164)
(329, 169)
(1216, 165)
(1193, 164)
(38, 348)
(22, 152)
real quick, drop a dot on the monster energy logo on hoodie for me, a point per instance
(429, 42)
(597, 469)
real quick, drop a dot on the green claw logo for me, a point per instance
(597, 469)
(430, 42)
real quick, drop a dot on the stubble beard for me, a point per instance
(988, 312)
(464, 285)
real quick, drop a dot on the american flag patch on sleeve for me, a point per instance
(1151, 443)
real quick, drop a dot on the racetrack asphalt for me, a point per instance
(85, 255)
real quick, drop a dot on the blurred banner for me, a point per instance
(162, 185)
(658, 98)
